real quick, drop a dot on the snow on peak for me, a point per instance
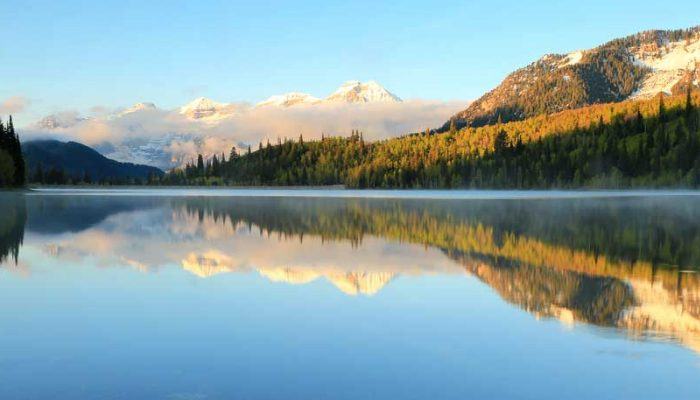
(201, 104)
(358, 92)
(59, 121)
(668, 61)
(573, 58)
(348, 92)
(138, 107)
(203, 107)
(671, 56)
(289, 99)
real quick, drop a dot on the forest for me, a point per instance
(643, 143)
(12, 166)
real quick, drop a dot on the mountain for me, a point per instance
(638, 66)
(58, 121)
(635, 143)
(206, 109)
(155, 151)
(289, 99)
(213, 263)
(348, 92)
(168, 138)
(358, 92)
(76, 159)
(138, 107)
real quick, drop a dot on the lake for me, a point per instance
(334, 294)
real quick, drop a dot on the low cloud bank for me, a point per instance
(139, 136)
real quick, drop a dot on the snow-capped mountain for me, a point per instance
(289, 99)
(638, 66)
(348, 92)
(58, 121)
(155, 151)
(206, 109)
(138, 107)
(358, 92)
(669, 63)
(145, 134)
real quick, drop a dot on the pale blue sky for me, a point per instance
(79, 54)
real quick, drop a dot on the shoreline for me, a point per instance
(330, 192)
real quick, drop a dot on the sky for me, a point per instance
(78, 55)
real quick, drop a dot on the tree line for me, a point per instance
(12, 220)
(644, 143)
(12, 167)
(58, 175)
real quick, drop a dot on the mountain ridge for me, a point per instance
(641, 65)
(77, 160)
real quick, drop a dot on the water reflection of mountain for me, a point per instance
(12, 220)
(349, 282)
(60, 214)
(545, 291)
(638, 305)
(659, 230)
(611, 262)
(620, 262)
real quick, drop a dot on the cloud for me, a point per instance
(376, 120)
(14, 105)
(182, 138)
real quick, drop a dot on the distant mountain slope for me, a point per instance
(635, 143)
(289, 99)
(77, 159)
(637, 66)
(208, 110)
(359, 92)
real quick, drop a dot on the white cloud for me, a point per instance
(182, 138)
(14, 105)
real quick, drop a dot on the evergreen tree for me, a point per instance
(200, 165)
(38, 176)
(11, 146)
(20, 174)
(662, 109)
(636, 143)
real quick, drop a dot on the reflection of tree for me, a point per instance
(587, 258)
(59, 214)
(662, 232)
(12, 220)
(549, 292)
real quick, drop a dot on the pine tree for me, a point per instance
(20, 172)
(215, 166)
(38, 174)
(200, 165)
(10, 144)
(500, 142)
(662, 109)
(3, 141)
(453, 126)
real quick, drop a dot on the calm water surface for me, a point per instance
(301, 294)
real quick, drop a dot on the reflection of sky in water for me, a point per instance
(153, 302)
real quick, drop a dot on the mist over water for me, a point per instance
(349, 294)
